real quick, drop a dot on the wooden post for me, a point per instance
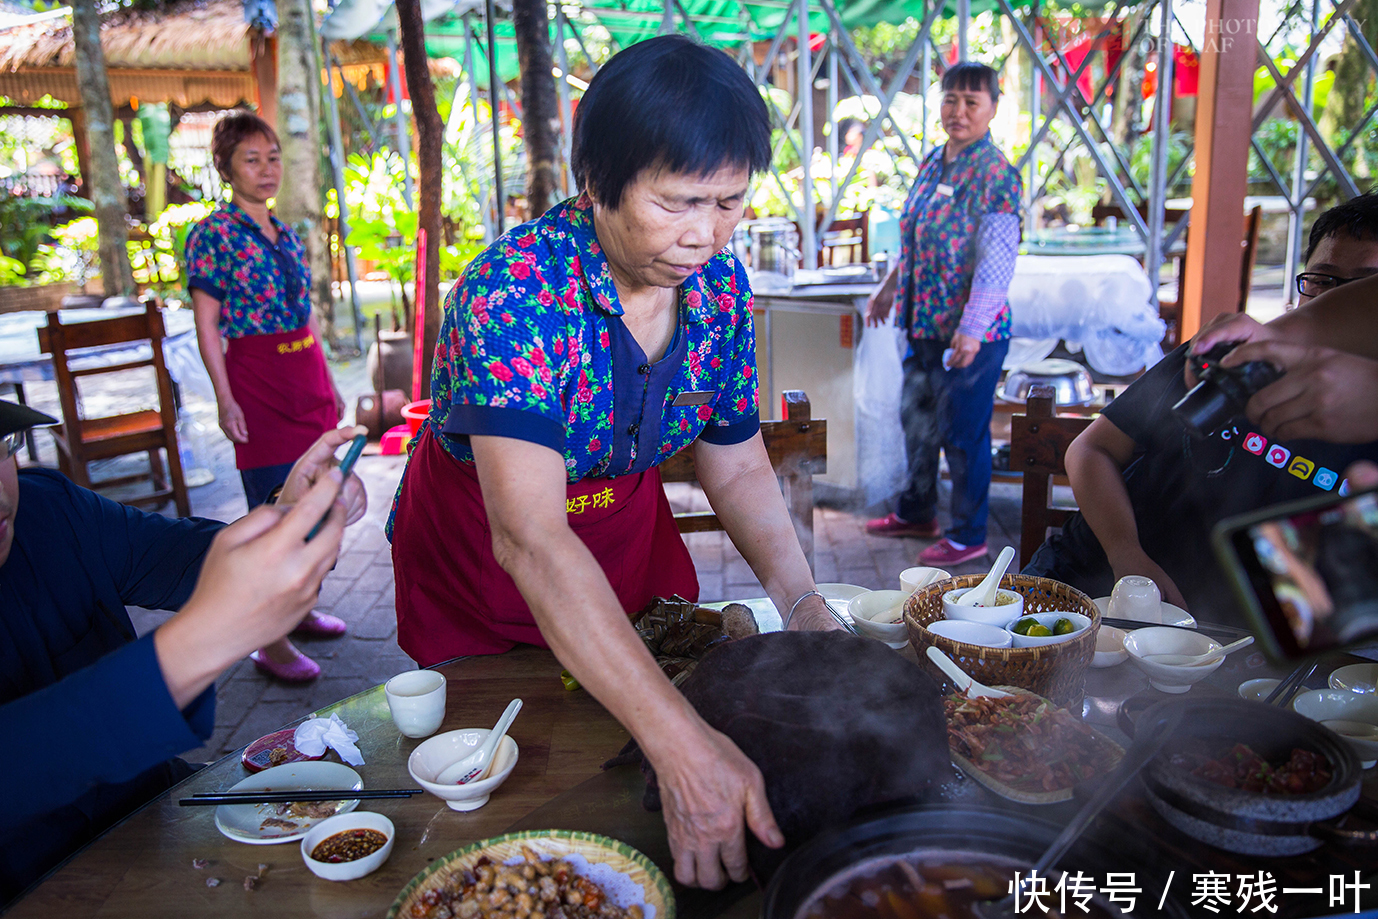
(263, 54)
(1224, 108)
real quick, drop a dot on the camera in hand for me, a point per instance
(1222, 392)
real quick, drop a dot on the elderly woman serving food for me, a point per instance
(576, 354)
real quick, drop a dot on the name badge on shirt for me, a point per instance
(703, 397)
(947, 191)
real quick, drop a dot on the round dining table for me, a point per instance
(157, 862)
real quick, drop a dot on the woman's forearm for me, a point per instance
(206, 312)
(741, 487)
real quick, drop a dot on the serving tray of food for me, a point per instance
(1023, 747)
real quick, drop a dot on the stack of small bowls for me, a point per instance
(993, 626)
(879, 614)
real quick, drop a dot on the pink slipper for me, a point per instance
(321, 625)
(301, 670)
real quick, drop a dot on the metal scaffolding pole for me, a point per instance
(566, 110)
(337, 171)
(489, 15)
(1162, 131)
(963, 23)
(832, 114)
(400, 118)
(927, 65)
(472, 76)
(1297, 198)
(1035, 101)
(807, 213)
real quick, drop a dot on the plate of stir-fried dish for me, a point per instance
(1025, 748)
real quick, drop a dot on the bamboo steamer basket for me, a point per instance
(1056, 672)
(548, 844)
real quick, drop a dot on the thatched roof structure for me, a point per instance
(193, 53)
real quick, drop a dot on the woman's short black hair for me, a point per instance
(667, 102)
(972, 76)
(1357, 218)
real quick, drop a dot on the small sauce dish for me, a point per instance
(343, 823)
(1010, 605)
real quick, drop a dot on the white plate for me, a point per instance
(1171, 615)
(768, 618)
(244, 822)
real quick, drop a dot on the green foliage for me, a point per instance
(1277, 138)
(11, 271)
(158, 261)
(26, 222)
(1141, 158)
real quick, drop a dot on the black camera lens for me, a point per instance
(1222, 392)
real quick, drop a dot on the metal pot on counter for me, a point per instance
(1070, 381)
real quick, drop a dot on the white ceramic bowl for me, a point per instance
(1342, 705)
(911, 578)
(973, 633)
(1082, 623)
(1174, 678)
(1361, 678)
(990, 615)
(866, 608)
(1257, 690)
(444, 750)
(347, 871)
(1109, 647)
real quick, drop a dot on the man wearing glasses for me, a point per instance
(1150, 490)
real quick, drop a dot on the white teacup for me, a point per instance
(1136, 597)
(911, 579)
(417, 702)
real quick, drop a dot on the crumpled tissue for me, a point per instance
(315, 734)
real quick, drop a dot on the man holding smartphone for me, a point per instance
(70, 561)
(1150, 490)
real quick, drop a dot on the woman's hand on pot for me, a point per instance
(712, 794)
(232, 421)
(319, 459)
(964, 350)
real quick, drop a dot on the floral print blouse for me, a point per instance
(262, 288)
(938, 234)
(532, 346)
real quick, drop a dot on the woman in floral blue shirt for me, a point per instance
(577, 353)
(959, 235)
(250, 289)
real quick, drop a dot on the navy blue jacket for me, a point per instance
(89, 725)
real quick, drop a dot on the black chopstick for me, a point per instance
(294, 797)
(1284, 691)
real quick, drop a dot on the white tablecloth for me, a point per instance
(1100, 304)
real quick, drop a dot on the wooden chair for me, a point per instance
(849, 236)
(798, 449)
(80, 441)
(1038, 448)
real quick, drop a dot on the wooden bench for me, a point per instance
(1038, 448)
(798, 449)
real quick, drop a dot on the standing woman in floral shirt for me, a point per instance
(577, 353)
(251, 291)
(959, 235)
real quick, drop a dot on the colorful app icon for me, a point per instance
(1256, 444)
(1325, 478)
(1278, 456)
(1301, 467)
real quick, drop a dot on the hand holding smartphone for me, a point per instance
(356, 449)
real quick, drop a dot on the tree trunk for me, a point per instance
(1345, 106)
(540, 107)
(298, 126)
(430, 136)
(1125, 124)
(106, 190)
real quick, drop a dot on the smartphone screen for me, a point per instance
(1308, 572)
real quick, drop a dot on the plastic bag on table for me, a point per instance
(876, 383)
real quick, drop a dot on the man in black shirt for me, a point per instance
(1150, 490)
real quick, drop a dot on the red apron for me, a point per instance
(283, 386)
(452, 596)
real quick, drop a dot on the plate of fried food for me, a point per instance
(270, 824)
(554, 874)
(1025, 748)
